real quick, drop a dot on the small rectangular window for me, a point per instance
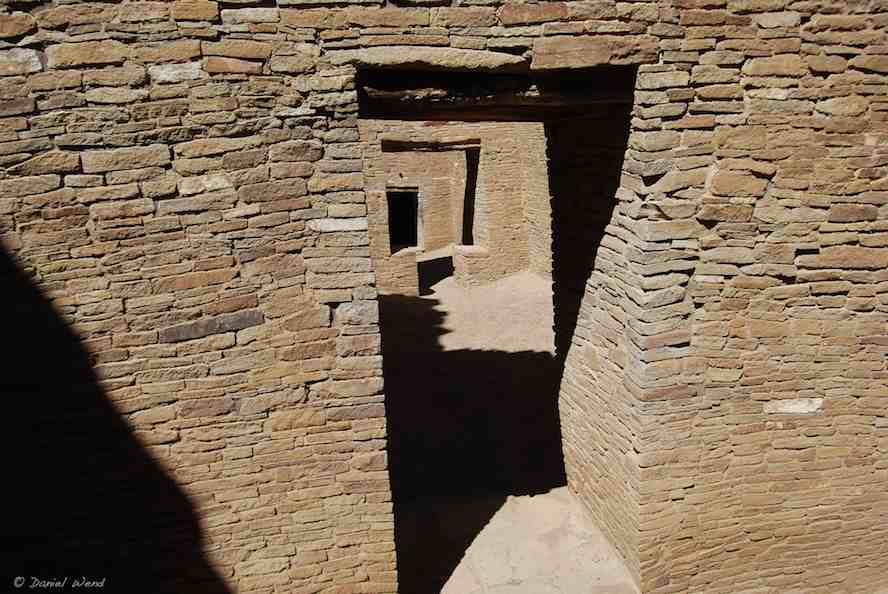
(403, 215)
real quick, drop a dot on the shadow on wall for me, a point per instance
(585, 165)
(466, 429)
(84, 499)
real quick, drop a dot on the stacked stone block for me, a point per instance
(184, 180)
(512, 219)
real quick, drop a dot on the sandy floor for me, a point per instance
(543, 544)
(511, 315)
(481, 506)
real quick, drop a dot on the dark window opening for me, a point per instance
(473, 156)
(403, 211)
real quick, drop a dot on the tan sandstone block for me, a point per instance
(16, 24)
(563, 51)
(218, 65)
(19, 61)
(315, 18)
(195, 10)
(848, 213)
(67, 55)
(727, 183)
(780, 65)
(295, 64)
(237, 48)
(26, 186)
(125, 158)
(854, 105)
(464, 17)
(388, 17)
(183, 50)
(50, 162)
(871, 63)
(526, 14)
(829, 64)
(846, 256)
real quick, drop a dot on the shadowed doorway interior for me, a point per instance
(472, 373)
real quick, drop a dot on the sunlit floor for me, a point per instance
(481, 505)
(543, 544)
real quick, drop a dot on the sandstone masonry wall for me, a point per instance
(184, 180)
(512, 220)
(440, 178)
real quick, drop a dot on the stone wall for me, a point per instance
(440, 177)
(185, 184)
(184, 181)
(512, 221)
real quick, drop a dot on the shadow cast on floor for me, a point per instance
(466, 429)
(85, 499)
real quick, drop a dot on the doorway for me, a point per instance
(472, 372)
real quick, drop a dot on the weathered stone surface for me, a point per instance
(295, 64)
(50, 162)
(782, 65)
(217, 65)
(250, 15)
(195, 10)
(109, 95)
(297, 150)
(794, 406)
(830, 64)
(843, 106)
(183, 50)
(728, 183)
(733, 213)
(846, 256)
(729, 255)
(67, 55)
(213, 146)
(175, 73)
(326, 225)
(227, 291)
(428, 58)
(524, 14)
(469, 16)
(121, 209)
(662, 80)
(212, 325)
(16, 24)
(237, 48)
(25, 186)
(387, 17)
(125, 158)
(871, 63)
(565, 51)
(19, 61)
(848, 213)
(318, 18)
(291, 188)
(17, 106)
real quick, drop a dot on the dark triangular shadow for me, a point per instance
(84, 497)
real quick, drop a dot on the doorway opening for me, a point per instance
(473, 359)
(473, 157)
(403, 218)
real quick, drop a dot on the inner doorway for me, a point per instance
(473, 365)
(403, 218)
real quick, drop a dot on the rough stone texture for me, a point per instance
(534, 545)
(510, 226)
(724, 419)
(432, 58)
